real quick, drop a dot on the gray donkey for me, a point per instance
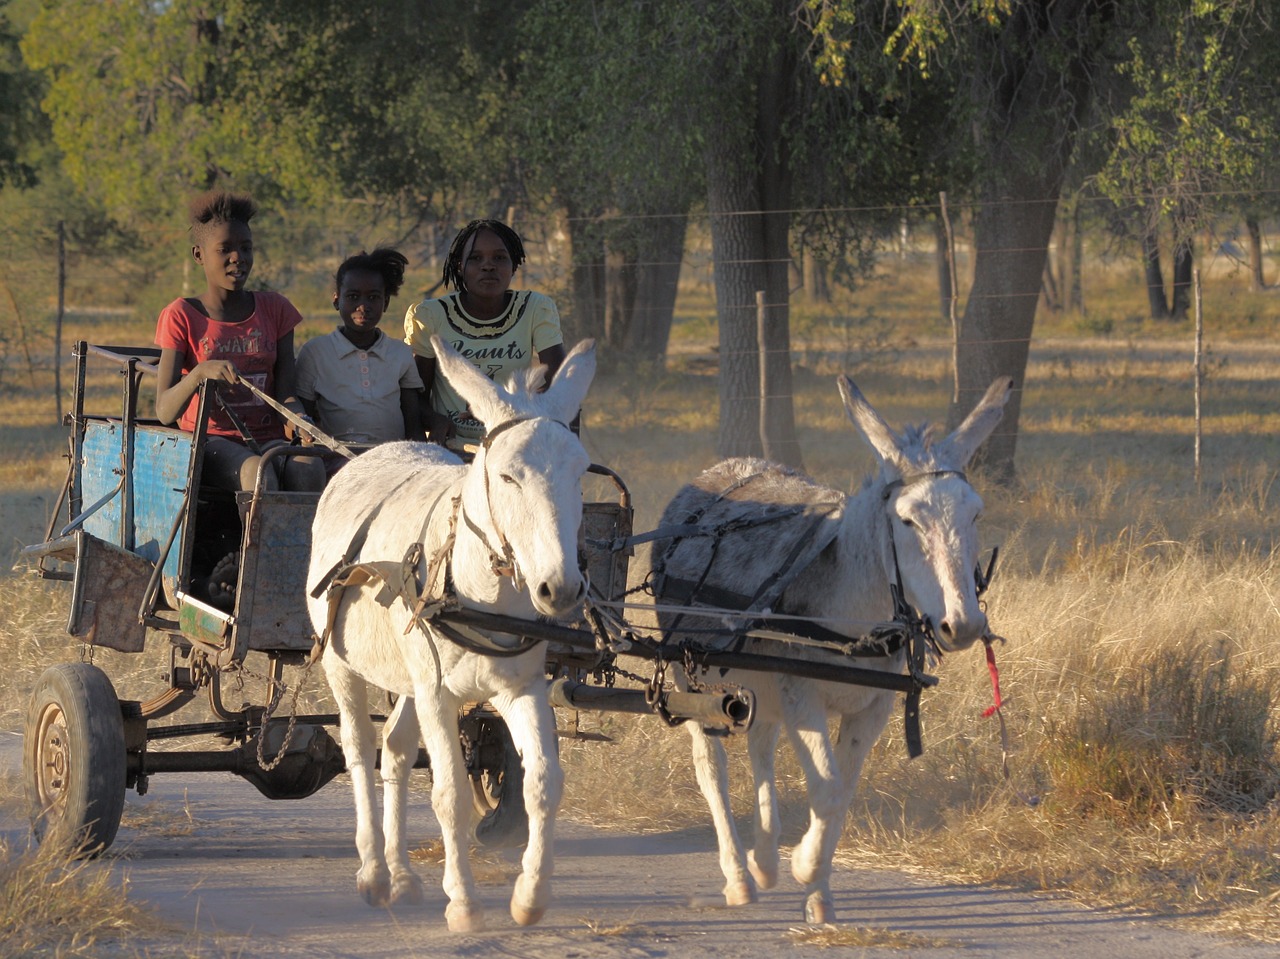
(831, 559)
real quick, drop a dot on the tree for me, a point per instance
(623, 165)
(796, 148)
(24, 132)
(1199, 118)
(1040, 76)
(308, 100)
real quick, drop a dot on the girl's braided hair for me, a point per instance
(454, 263)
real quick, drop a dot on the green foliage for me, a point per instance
(308, 101)
(1200, 113)
(586, 132)
(23, 130)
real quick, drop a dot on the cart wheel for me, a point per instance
(498, 788)
(73, 757)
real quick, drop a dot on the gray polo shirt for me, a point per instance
(357, 392)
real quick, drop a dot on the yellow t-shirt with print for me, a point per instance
(497, 347)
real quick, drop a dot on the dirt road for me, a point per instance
(207, 854)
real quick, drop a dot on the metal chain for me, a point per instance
(273, 700)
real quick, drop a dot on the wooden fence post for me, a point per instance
(765, 446)
(1199, 368)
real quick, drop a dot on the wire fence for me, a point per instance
(64, 285)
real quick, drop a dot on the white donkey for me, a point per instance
(410, 520)
(914, 523)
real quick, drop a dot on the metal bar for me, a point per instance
(734, 710)
(81, 355)
(584, 639)
(237, 760)
(129, 428)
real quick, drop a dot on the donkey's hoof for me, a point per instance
(819, 910)
(374, 886)
(739, 894)
(529, 900)
(766, 876)
(463, 918)
(526, 915)
(406, 890)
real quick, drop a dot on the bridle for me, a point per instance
(902, 610)
(501, 561)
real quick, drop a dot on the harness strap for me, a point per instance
(771, 590)
(503, 562)
(905, 481)
(357, 540)
(681, 591)
(681, 531)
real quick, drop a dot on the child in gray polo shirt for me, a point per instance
(358, 384)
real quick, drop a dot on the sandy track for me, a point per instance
(206, 853)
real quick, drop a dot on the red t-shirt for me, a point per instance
(250, 345)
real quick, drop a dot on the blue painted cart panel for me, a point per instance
(156, 482)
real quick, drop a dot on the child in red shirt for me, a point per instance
(225, 332)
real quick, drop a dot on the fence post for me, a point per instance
(1199, 368)
(951, 293)
(765, 445)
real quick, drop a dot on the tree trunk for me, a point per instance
(661, 250)
(1183, 264)
(1157, 305)
(1049, 284)
(817, 285)
(586, 245)
(748, 198)
(1075, 267)
(1011, 243)
(619, 295)
(1258, 280)
(1035, 101)
(738, 252)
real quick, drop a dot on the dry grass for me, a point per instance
(864, 937)
(614, 930)
(54, 905)
(490, 868)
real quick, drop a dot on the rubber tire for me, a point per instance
(73, 758)
(498, 794)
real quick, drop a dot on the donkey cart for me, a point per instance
(137, 537)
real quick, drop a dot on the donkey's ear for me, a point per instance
(568, 389)
(885, 443)
(960, 446)
(487, 401)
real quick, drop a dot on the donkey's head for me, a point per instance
(523, 496)
(932, 512)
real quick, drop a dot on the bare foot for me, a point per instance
(222, 582)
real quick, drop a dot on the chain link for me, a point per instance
(273, 700)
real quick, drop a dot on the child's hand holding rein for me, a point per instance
(223, 370)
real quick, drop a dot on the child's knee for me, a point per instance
(305, 474)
